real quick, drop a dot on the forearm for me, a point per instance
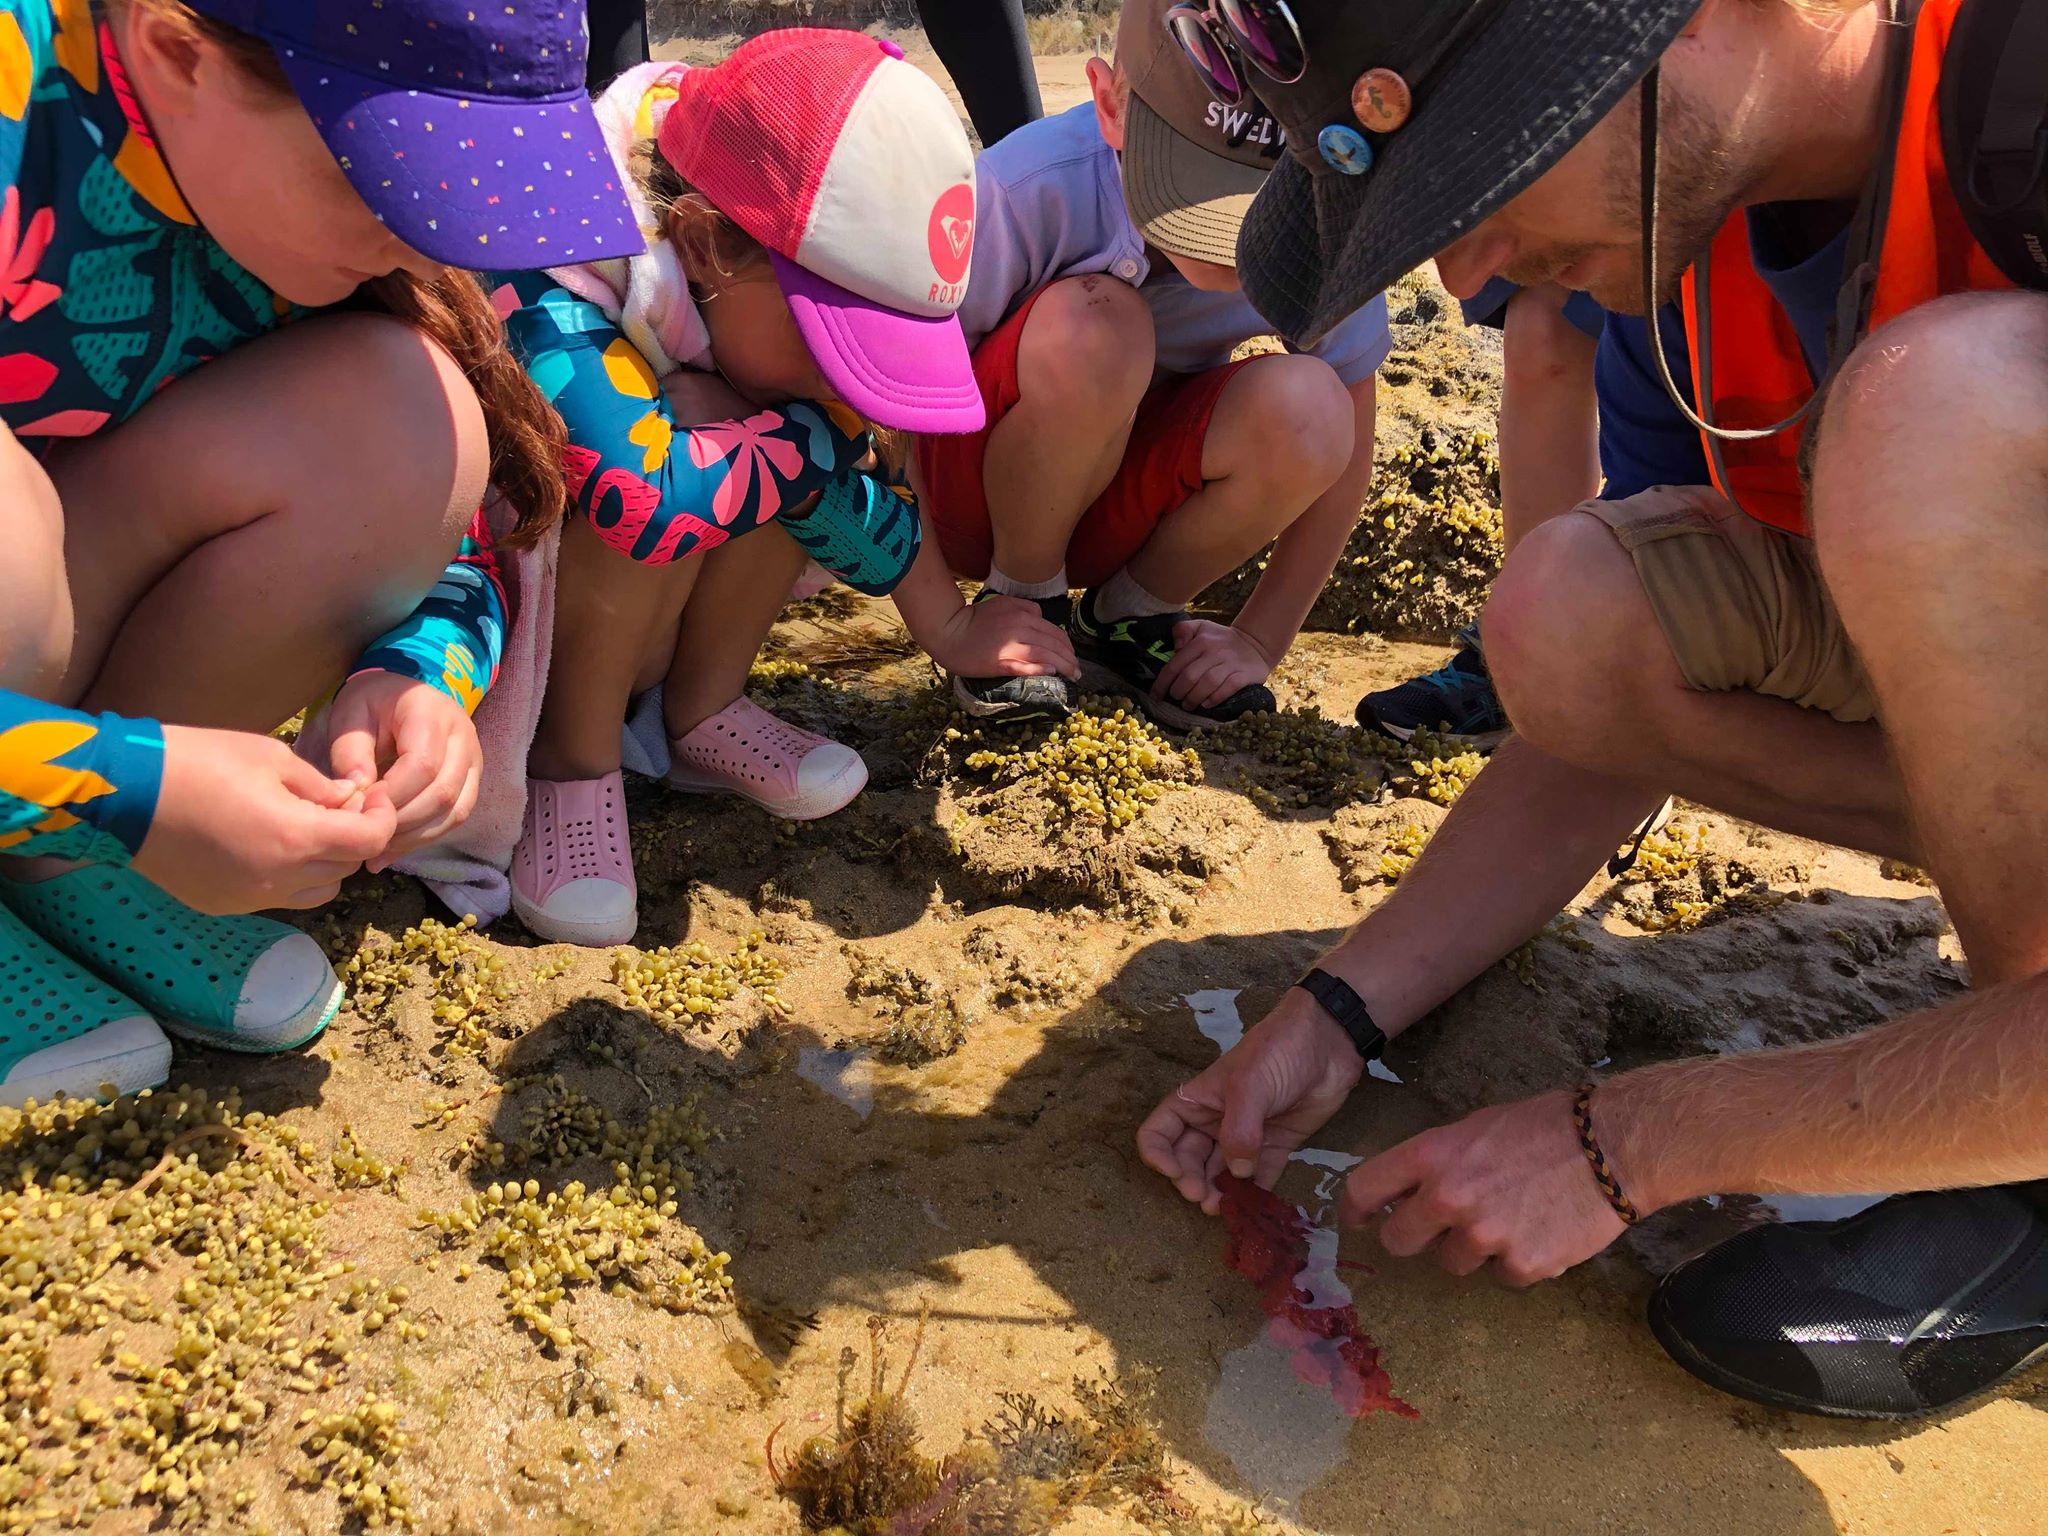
(1549, 419)
(656, 485)
(928, 598)
(455, 639)
(1949, 1097)
(1308, 551)
(1522, 840)
(76, 785)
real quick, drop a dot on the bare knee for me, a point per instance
(1288, 419)
(1970, 363)
(1552, 631)
(35, 594)
(1956, 382)
(420, 429)
(1087, 348)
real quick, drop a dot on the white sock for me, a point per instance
(1053, 586)
(1121, 597)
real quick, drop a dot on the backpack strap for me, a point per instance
(1994, 130)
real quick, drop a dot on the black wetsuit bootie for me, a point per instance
(1909, 1308)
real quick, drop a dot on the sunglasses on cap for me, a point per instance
(1216, 34)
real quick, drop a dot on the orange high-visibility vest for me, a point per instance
(1760, 372)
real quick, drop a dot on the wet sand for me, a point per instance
(994, 1192)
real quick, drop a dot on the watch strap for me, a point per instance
(1336, 998)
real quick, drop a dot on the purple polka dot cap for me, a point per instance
(462, 123)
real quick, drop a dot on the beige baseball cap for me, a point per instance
(1191, 166)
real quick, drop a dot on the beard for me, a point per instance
(1699, 185)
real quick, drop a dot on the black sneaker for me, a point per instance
(1036, 697)
(1457, 700)
(1127, 656)
(1916, 1305)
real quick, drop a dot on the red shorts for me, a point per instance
(1162, 466)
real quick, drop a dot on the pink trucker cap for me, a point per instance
(850, 166)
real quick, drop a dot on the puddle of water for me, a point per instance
(1748, 1035)
(849, 1076)
(1818, 1207)
(1216, 1015)
(1811, 1207)
(1334, 1165)
(1279, 1431)
(1284, 1434)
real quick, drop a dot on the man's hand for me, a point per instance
(243, 824)
(1256, 1106)
(1003, 637)
(416, 744)
(1210, 663)
(1508, 1185)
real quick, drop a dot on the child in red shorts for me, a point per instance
(1125, 452)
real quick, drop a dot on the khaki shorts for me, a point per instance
(1742, 605)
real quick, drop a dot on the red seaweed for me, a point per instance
(1269, 1245)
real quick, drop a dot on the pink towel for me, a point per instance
(468, 869)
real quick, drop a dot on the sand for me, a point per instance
(994, 1192)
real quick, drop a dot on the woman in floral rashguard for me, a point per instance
(249, 416)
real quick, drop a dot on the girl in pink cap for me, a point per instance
(810, 208)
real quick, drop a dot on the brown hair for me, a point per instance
(527, 437)
(706, 234)
(710, 238)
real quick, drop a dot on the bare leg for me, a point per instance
(743, 588)
(612, 616)
(1549, 421)
(1588, 678)
(616, 621)
(1930, 507)
(35, 595)
(235, 545)
(1083, 364)
(1282, 432)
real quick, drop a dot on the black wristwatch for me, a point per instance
(1336, 998)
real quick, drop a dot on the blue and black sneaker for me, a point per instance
(1456, 701)
(1038, 696)
(1127, 656)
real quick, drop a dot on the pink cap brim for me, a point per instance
(910, 372)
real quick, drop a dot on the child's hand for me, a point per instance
(413, 742)
(242, 824)
(1004, 637)
(1210, 663)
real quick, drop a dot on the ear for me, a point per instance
(689, 231)
(168, 56)
(1106, 85)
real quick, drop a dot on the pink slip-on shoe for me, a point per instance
(743, 750)
(572, 873)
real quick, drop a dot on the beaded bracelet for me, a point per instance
(1610, 1186)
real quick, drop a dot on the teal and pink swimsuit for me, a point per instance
(110, 292)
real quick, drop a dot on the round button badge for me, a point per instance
(1381, 100)
(1344, 150)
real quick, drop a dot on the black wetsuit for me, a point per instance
(618, 39)
(982, 43)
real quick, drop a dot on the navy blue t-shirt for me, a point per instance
(1644, 440)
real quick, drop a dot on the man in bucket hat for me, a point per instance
(1813, 580)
